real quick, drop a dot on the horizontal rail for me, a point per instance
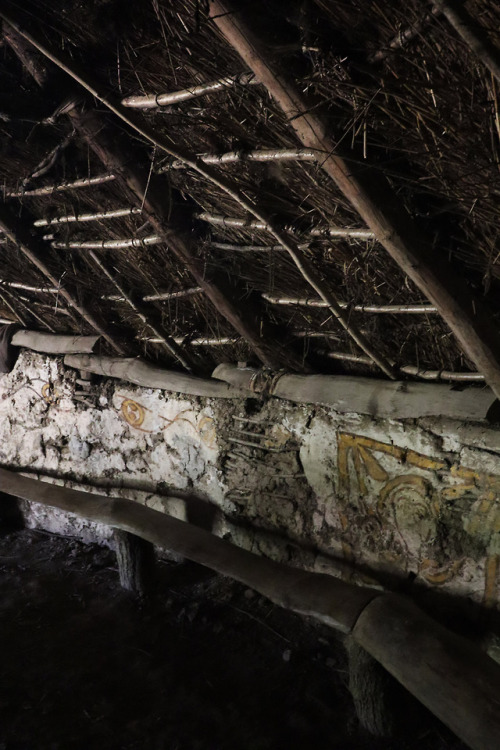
(82, 182)
(415, 309)
(259, 155)
(156, 101)
(153, 239)
(449, 674)
(248, 223)
(414, 370)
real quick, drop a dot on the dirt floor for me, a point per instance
(207, 665)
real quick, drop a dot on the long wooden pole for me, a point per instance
(376, 203)
(455, 680)
(472, 34)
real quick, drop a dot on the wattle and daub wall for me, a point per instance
(415, 499)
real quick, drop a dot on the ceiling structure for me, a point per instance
(312, 186)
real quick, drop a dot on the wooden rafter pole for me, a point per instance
(472, 34)
(28, 246)
(230, 188)
(376, 203)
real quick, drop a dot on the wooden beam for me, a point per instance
(450, 675)
(28, 245)
(472, 34)
(375, 202)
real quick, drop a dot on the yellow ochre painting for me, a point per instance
(420, 513)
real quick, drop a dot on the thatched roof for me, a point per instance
(403, 97)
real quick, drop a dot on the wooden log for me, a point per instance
(328, 599)
(11, 517)
(446, 673)
(378, 398)
(135, 559)
(450, 676)
(148, 376)
(54, 343)
(376, 203)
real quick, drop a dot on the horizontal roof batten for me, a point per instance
(156, 101)
(247, 223)
(73, 185)
(259, 155)
(414, 370)
(416, 309)
(115, 213)
(153, 239)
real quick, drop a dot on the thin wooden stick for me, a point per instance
(155, 101)
(165, 296)
(376, 203)
(25, 243)
(152, 239)
(82, 182)
(247, 248)
(248, 223)
(403, 36)
(29, 287)
(160, 296)
(115, 213)
(414, 370)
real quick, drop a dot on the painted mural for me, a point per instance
(418, 514)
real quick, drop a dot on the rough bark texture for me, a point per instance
(135, 559)
(372, 690)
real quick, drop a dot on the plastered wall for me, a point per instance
(381, 497)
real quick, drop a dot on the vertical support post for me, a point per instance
(135, 559)
(11, 517)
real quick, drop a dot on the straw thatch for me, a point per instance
(399, 87)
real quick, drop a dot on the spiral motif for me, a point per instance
(132, 412)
